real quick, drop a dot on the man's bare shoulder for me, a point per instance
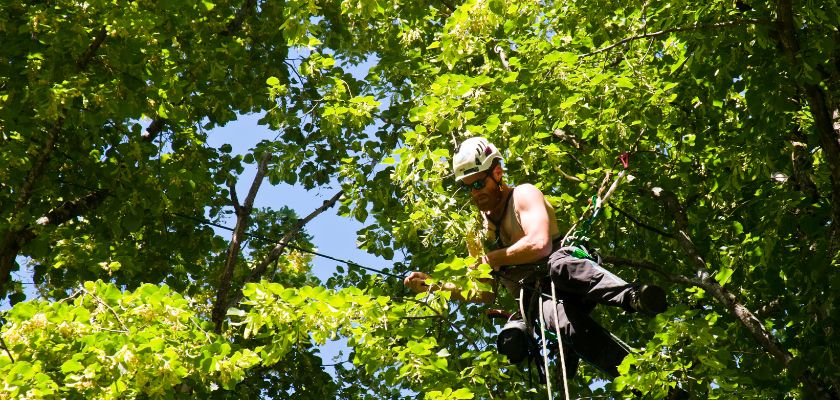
(527, 194)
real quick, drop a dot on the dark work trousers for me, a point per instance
(579, 285)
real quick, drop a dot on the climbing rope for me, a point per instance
(559, 341)
(545, 349)
(580, 229)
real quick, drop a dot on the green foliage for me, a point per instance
(103, 343)
(729, 112)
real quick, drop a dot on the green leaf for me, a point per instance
(71, 366)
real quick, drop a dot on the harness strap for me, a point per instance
(498, 224)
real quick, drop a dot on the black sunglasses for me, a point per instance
(477, 185)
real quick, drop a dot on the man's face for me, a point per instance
(483, 190)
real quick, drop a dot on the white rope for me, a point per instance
(544, 348)
(559, 341)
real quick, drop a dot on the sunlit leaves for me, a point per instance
(103, 343)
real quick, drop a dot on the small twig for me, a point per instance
(207, 335)
(337, 363)
(71, 297)
(440, 314)
(98, 300)
(9, 353)
(3, 343)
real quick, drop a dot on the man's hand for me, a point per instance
(483, 260)
(416, 282)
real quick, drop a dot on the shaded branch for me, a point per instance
(717, 25)
(704, 280)
(238, 20)
(153, 130)
(9, 243)
(242, 218)
(9, 353)
(90, 52)
(829, 138)
(647, 265)
(38, 166)
(234, 198)
(448, 4)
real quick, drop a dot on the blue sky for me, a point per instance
(332, 235)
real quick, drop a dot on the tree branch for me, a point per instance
(239, 19)
(9, 353)
(258, 271)
(153, 130)
(717, 25)
(234, 199)
(88, 55)
(817, 101)
(242, 218)
(764, 337)
(281, 246)
(102, 303)
(10, 244)
(448, 4)
(647, 265)
(38, 166)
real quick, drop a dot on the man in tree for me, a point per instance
(527, 239)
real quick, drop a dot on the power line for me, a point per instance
(349, 263)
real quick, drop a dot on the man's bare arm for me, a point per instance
(536, 244)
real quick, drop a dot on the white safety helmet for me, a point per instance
(474, 155)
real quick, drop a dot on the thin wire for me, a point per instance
(349, 263)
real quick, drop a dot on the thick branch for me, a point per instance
(238, 20)
(234, 198)
(717, 25)
(817, 101)
(448, 4)
(38, 166)
(57, 216)
(647, 265)
(154, 129)
(85, 59)
(764, 337)
(242, 219)
(9, 243)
